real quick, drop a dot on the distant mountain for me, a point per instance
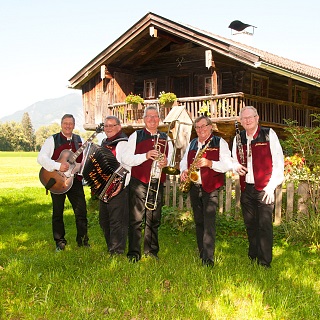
(50, 111)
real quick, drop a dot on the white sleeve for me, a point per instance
(184, 160)
(128, 157)
(45, 154)
(225, 161)
(170, 151)
(277, 175)
(235, 162)
(121, 149)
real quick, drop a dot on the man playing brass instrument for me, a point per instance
(147, 153)
(211, 166)
(260, 174)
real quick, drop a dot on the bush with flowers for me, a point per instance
(166, 97)
(204, 110)
(295, 168)
(134, 99)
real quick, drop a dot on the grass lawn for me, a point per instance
(80, 283)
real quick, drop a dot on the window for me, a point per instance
(259, 85)
(300, 95)
(207, 86)
(150, 89)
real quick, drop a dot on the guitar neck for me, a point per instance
(80, 150)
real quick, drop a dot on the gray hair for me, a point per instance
(116, 119)
(68, 115)
(148, 108)
(248, 108)
(208, 120)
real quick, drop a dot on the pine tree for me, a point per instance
(28, 131)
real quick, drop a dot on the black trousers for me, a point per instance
(139, 216)
(257, 217)
(113, 220)
(77, 199)
(204, 206)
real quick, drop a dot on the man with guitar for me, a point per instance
(60, 163)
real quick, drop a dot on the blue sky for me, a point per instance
(44, 43)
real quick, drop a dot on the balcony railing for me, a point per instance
(222, 106)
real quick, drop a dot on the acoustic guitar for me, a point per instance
(59, 182)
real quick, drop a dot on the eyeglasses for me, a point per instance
(152, 117)
(201, 127)
(248, 118)
(110, 125)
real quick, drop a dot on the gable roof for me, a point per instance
(136, 44)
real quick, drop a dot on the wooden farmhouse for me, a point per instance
(203, 70)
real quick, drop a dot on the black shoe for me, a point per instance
(132, 259)
(84, 244)
(152, 255)
(253, 260)
(264, 265)
(115, 254)
(83, 241)
(60, 247)
(207, 263)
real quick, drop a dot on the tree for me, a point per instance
(11, 137)
(29, 136)
(305, 142)
(44, 132)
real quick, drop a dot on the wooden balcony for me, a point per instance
(223, 110)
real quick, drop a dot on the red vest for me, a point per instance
(261, 157)
(62, 143)
(111, 143)
(211, 180)
(145, 142)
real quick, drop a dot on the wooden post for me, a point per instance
(180, 205)
(174, 190)
(188, 203)
(237, 195)
(220, 200)
(278, 205)
(290, 200)
(303, 192)
(228, 194)
(167, 191)
(214, 81)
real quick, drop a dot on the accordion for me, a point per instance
(103, 173)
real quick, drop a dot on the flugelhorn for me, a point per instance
(171, 168)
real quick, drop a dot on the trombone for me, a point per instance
(155, 173)
(155, 177)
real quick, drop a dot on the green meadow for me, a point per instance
(80, 283)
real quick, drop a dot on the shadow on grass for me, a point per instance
(84, 283)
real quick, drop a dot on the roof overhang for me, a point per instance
(286, 73)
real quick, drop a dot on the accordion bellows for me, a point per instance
(101, 172)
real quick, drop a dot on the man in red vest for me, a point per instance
(48, 158)
(260, 163)
(147, 153)
(211, 166)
